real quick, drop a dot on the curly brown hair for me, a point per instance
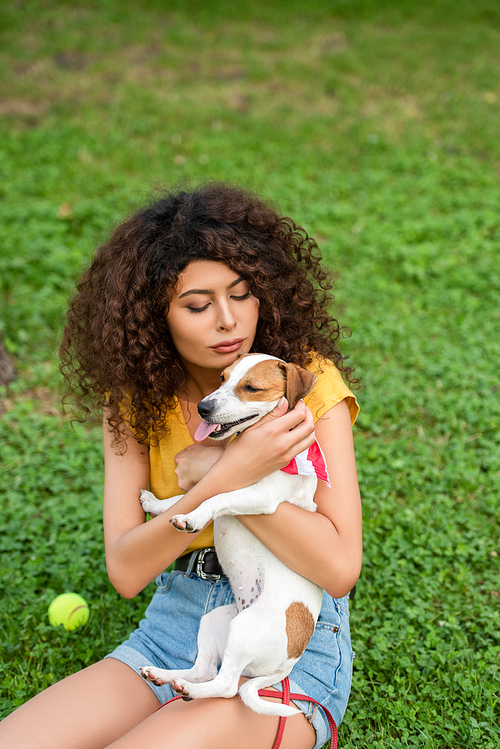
(116, 349)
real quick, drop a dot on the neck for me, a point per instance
(199, 382)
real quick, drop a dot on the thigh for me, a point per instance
(88, 710)
(217, 724)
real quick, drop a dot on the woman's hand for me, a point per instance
(271, 443)
(194, 462)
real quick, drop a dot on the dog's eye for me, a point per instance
(251, 389)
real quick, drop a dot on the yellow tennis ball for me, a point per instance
(70, 610)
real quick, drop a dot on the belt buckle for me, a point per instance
(199, 566)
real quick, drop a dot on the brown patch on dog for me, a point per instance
(299, 628)
(264, 381)
(299, 382)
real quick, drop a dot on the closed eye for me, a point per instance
(251, 389)
(195, 310)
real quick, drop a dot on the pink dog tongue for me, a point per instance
(204, 430)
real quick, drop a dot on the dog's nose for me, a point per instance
(205, 407)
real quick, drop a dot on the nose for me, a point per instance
(226, 319)
(205, 407)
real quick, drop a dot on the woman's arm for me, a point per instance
(325, 546)
(137, 551)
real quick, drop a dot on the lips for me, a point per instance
(226, 347)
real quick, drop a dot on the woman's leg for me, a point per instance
(215, 724)
(88, 710)
(108, 704)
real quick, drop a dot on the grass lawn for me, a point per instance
(375, 126)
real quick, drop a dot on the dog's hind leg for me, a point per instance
(225, 684)
(212, 638)
(249, 632)
(237, 654)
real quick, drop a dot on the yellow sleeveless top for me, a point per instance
(329, 390)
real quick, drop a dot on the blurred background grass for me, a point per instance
(374, 125)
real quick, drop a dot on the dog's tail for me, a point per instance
(249, 693)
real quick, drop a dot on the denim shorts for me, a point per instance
(167, 638)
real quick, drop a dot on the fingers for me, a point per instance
(288, 420)
(281, 408)
(184, 453)
(272, 443)
(193, 463)
(278, 411)
(298, 416)
(285, 434)
(303, 444)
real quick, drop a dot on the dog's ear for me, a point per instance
(299, 382)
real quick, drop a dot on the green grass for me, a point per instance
(375, 125)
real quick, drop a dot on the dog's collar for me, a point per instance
(310, 462)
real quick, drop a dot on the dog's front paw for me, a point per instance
(149, 673)
(181, 688)
(185, 523)
(150, 503)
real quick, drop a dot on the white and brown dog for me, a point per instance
(264, 633)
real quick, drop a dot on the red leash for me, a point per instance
(286, 696)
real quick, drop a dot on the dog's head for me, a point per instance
(251, 388)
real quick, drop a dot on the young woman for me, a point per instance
(177, 293)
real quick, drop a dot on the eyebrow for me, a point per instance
(211, 291)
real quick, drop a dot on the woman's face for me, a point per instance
(213, 316)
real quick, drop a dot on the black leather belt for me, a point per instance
(203, 563)
(206, 565)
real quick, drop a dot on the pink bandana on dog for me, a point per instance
(310, 462)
